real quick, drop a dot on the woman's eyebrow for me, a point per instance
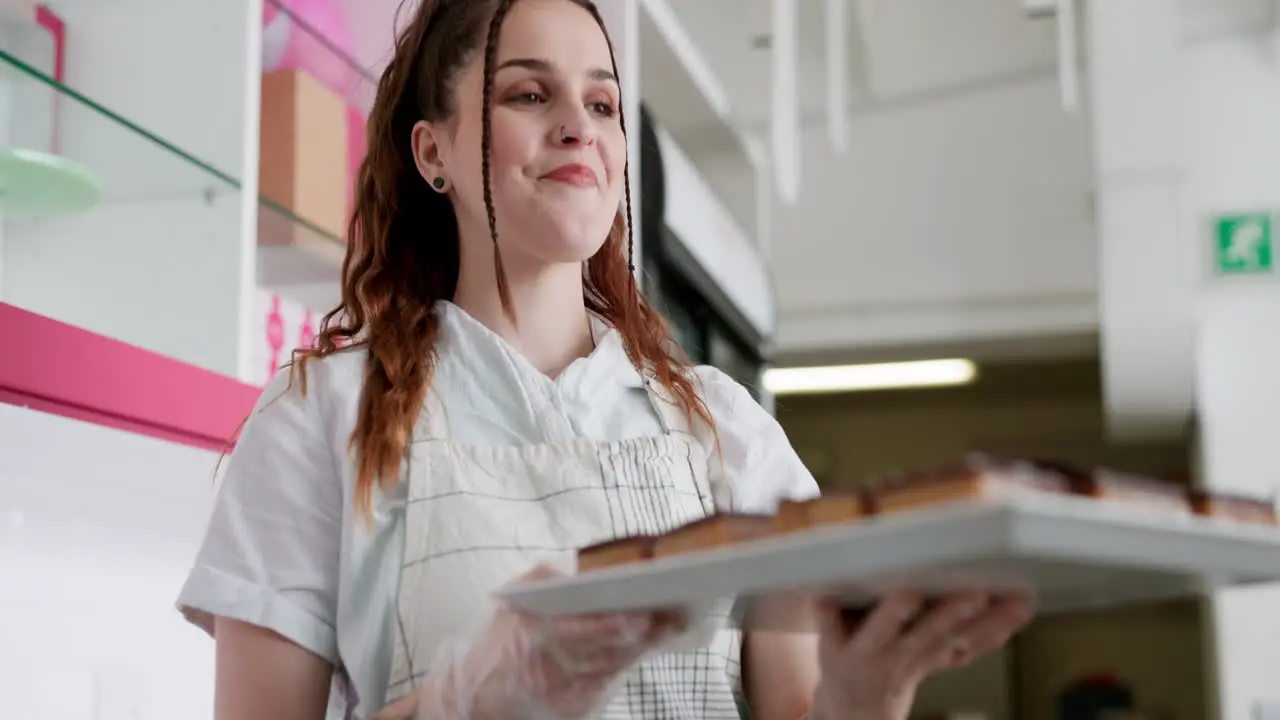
(540, 65)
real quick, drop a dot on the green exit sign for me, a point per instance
(1243, 244)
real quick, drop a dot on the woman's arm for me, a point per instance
(780, 670)
(263, 676)
(756, 460)
(265, 581)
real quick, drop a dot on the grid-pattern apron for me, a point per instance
(479, 516)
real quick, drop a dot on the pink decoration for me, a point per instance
(275, 336)
(311, 36)
(51, 21)
(307, 334)
(57, 29)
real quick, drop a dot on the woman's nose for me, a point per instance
(575, 129)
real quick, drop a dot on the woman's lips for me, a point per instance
(574, 174)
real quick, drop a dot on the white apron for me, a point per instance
(479, 516)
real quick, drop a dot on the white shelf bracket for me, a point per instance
(1068, 69)
(785, 134)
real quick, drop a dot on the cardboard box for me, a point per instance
(302, 161)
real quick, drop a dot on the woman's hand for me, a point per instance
(522, 666)
(872, 671)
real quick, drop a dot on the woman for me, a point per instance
(503, 395)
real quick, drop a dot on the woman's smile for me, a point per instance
(575, 174)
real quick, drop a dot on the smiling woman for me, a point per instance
(491, 285)
(491, 394)
(535, 155)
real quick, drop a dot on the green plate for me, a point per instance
(40, 184)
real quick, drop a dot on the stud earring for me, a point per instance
(438, 183)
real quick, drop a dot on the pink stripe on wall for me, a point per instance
(63, 370)
(50, 21)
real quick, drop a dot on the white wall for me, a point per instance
(161, 275)
(1233, 110)
(94, 546)
(159, 262)
(737, 184)
(958, 218)
(175, 67)
(719, 241)
(1233, 106)
(1238, 351)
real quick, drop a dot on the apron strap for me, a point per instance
(674, 421)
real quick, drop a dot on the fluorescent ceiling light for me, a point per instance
(876, 376)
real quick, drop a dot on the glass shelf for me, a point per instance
(131, 163)
(155, 262)
(294, 253)
(298, 258)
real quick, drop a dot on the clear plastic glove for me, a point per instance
(523, 667)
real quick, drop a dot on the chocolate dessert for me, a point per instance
(713, 531)
(1148, 493)
(612, 553)
(1240, 508)
(978, 479)
(796, 515)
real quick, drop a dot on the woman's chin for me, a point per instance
(564, 242)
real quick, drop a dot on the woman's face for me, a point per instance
(558, 154)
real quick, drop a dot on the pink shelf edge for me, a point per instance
(60, 369)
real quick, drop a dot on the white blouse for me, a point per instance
(284, 542)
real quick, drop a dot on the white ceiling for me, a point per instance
(899, 49)
(903, 51)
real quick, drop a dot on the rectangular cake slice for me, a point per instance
(714, 531)
(983, 479)
(833, 509)
(613, 553)
(1240, 508)
(1150, 494)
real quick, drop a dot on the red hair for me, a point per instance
(403, 256)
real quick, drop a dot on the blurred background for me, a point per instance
(915, 228)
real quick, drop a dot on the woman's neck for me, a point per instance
(551, 328)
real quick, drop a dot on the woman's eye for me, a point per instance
(531, 98)
(603, 108)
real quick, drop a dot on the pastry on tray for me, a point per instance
(977, 479)
(1240, 508)
(612, 553)
(714, 531)
(832, 509)
(1112, 486)
(1161, 496)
